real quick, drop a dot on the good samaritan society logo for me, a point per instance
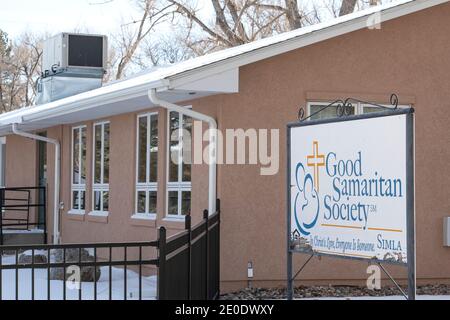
(306, 210)
(350, 203)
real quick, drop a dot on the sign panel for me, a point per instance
(349, 185)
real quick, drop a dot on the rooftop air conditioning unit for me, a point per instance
(69, 50)
(72, 64)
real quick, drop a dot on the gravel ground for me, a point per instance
(331, 291)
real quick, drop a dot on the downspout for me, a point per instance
(212, 179)
(17, 131)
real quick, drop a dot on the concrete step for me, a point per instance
(14, 238)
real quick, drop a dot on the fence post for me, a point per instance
(44, 200)
(218, 205)
(162, 295)
(218, 209)
(188, 227)
(206, 218)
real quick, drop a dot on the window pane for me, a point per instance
(106, 154)
(186, 203)
(187, 147)
(174, 146)
(371, 109)
(330, 112)
(141, 201)
(82, 200)
(75, 195)
(3, 159)
(173, 203)
(152, 202)
(83, 156)
(105, 201)
(76, 156)
(154, 148)
(97, 154)
(142, 150)
(97, 201)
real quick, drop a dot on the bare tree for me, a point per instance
(165, 50)
(4, 45)
(348, 6)
(129, 40)
(28, 60)
(242, 21)
(20, 67)
(4, 72)
(230, 23)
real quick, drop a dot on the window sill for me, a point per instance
(76, 215)
(140, 216)
(143, 220)
(77, 212)
(98, 217)
(99, 213)
(175, 219)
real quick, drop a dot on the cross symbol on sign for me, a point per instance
(316, 160)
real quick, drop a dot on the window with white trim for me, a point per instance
(78, 169)
(147, 164)
(331, 112)
(100, 185)
(2, 161)
(179, 185)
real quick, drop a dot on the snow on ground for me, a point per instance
(424, 297)
(56, 287)
(6, 231)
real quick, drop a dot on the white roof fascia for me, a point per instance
(94, 101)
(223, 82)
(17, 119)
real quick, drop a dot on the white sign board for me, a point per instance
(349, 185)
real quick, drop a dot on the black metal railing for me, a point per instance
(189, 262)
(70, 264)
(184, 266)
(20, 208)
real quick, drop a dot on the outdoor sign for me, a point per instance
(351, 190)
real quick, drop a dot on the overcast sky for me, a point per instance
(56, 16)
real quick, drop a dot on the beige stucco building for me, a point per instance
(117, 182)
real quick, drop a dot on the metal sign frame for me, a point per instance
(410, 200)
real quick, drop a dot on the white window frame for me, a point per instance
(80, 187)
(147, 186)
(180, 185)
(100, 187)
(2, 163)
(359, 106)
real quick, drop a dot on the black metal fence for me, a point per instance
(187, 267)
(189, 262)
(20, 208)
(56, 272)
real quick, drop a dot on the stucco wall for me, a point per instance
(20, 162)
(408, 56)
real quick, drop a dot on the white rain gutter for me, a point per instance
(212, 180)
(17, 131)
